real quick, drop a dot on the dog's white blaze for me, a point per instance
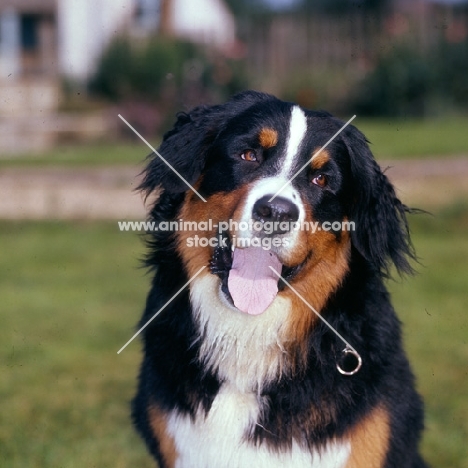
(245, 350)
(218, 439)
(297, 131)
(269, 186)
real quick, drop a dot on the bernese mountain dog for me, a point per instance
(277, 344)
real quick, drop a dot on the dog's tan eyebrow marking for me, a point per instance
(268, 137)
(320, 159)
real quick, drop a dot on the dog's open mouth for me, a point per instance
(247, 277)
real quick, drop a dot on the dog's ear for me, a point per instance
(185, 146)
(381, 232)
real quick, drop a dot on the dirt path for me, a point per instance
(70, 193)
(432, 183)
(108, 193)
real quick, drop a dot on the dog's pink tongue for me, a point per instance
(252, 284)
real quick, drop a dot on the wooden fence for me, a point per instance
(278, 46)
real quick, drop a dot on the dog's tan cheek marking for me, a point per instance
(322, 274)
(218, 207)
(370, 440)
(320, 159)
(158, 423)
(268, 138)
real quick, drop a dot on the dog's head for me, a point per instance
(276, 202)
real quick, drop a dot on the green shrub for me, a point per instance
(154, 78)
(399, 85)
(113, 74)
(452, 71)
(406, 82)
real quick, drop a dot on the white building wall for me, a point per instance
(206, 21)
(85, 28)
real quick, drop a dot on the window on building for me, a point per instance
(30, 32)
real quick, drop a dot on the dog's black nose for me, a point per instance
(280, 211)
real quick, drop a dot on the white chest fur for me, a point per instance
(217, 440)
(242, 349)
(246, 352)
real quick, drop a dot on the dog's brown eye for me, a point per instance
(249, 155)
(320, 180)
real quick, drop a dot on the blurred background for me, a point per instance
(71, 286)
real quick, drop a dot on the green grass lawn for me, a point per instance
(71, 294)
(92, 154)
(402, 139)
(433, 307)
(393, 139)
